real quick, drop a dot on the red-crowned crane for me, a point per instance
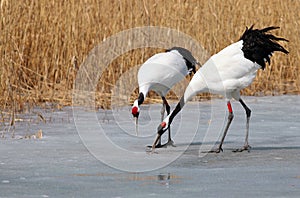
(229, 71)
(160, 73)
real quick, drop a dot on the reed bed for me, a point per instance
(43, 43)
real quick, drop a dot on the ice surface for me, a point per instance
(66, 162)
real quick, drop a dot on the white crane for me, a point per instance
(229, 71)
(160, 73)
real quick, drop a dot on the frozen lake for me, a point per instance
(85, 153)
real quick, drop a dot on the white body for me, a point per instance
(161, 72)
(225, 73)
(229, 71)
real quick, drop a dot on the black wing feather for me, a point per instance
(188, 57)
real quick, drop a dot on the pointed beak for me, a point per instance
(135, 113)
(155, 142)
(136, 126)
(160, 130)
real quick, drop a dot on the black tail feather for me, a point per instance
(188, 57)
(267, 29)
(258, 45)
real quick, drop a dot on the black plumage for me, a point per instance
(227, 72)
(258, 45)
(141, 98)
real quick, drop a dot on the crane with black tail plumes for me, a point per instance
(229, 71)
(160, 73)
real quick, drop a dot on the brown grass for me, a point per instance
(40, 39)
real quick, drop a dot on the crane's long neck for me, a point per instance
(196, 85)
(141, 98)
(139, 101)
(177, 109)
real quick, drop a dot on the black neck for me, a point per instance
(177, 109)
(141, 98)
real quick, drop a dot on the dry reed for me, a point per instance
(42, 43)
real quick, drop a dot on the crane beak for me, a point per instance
(160, 130)
(136, 126)
(155, 142)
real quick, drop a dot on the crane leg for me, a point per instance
(166, 107)
(170, 141)
(162, 112)
(229, 120)
(246, 146)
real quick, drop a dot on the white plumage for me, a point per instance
(160, 73)
(224, 73)
(229, 71)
